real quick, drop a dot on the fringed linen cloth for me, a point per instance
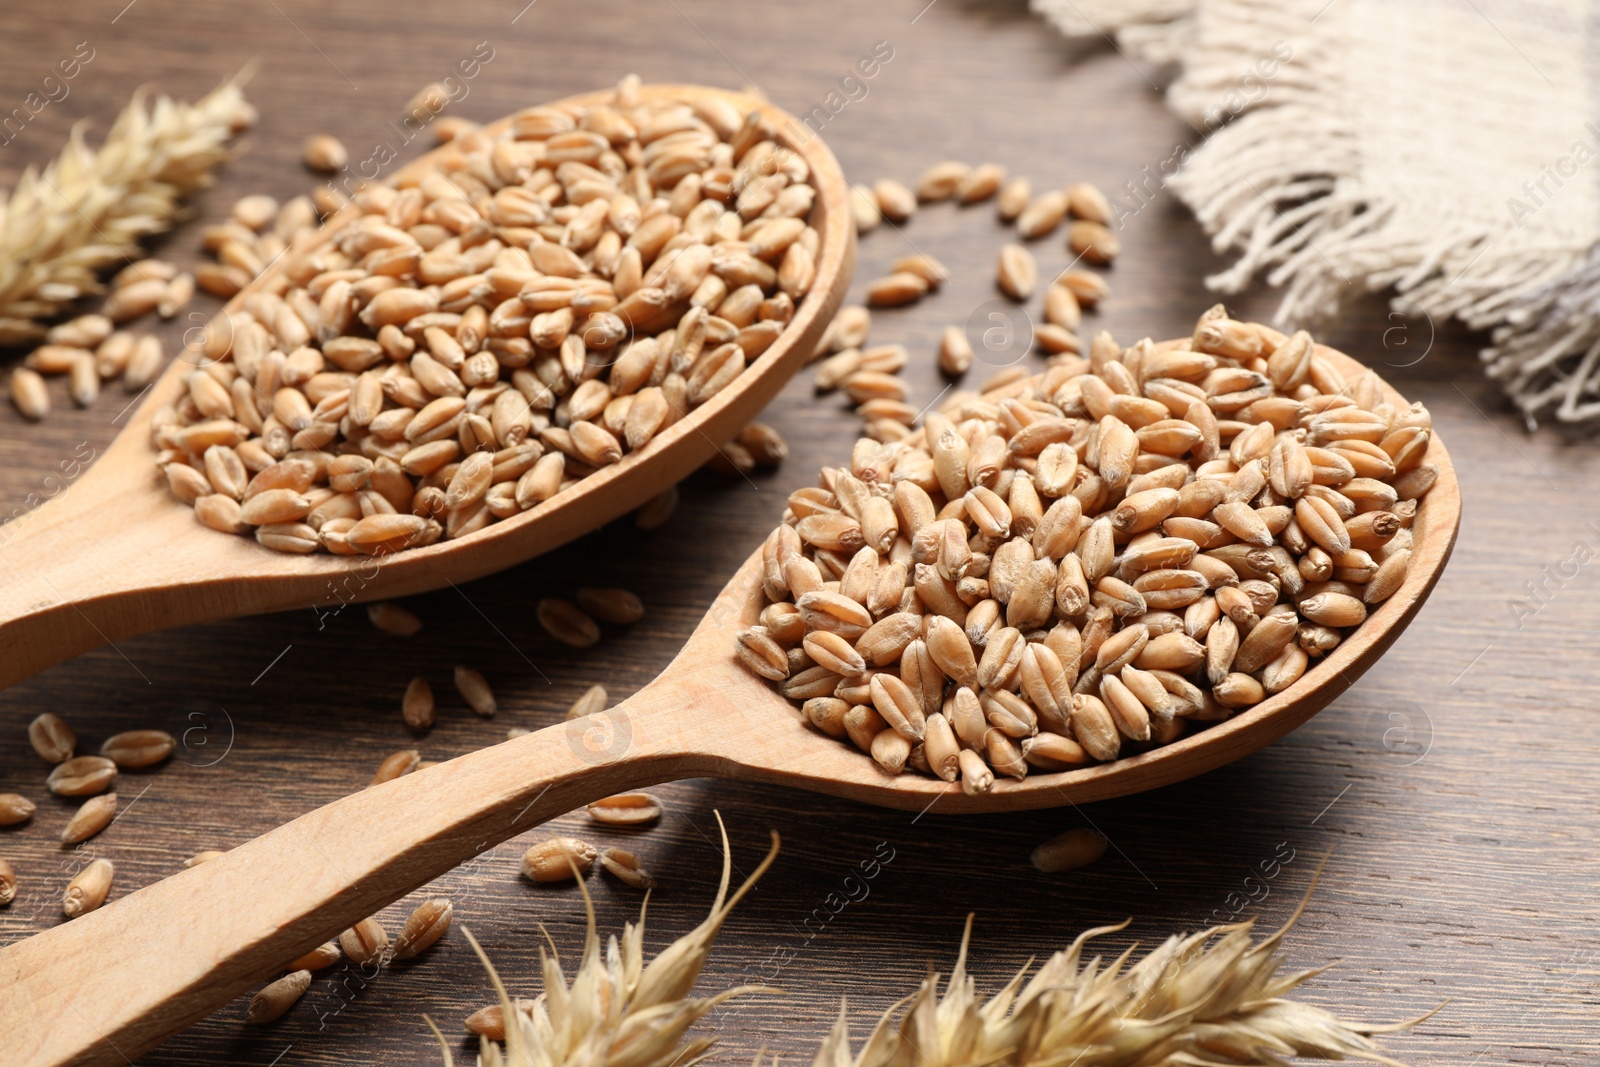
(1448, 150)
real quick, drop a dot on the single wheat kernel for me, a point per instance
(657, 510)
(423, 927)
(391, 618)
(417, 706)
(52, 738)
(616, 606)
(626, 809)
(488, 1023)
(88, 889)
(593, 699)
(1017, 274)
(624, 866)
(8, 883)
(955, 352)
(1093, 241)
(397, 764)
(1087, 202)
(93, 816)
(15, 809)
(1075, 848)
(82, 776)
(364, 942)
(942, 180)
(981, 183)
(897, 289)
(272, 1001)
(895, 201)
(1015, 195)
(138, 749)
(474, 689)
(864, 208)
(766, 445)
(325, 153)
(323, 956)
(567, 623)
(557, 859)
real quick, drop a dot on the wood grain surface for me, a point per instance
(1453, 784)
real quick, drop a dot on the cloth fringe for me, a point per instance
(1546, 354)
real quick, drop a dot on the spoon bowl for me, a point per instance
(116, 555)
(191, 942)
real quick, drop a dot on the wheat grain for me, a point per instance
(593, 699)
(626, 809)
(427, 924)
(275, 999)
(15, 809)
(397, 765)
(82, 776)
(897, 289)
(1093, 241)
(29, 395)
(657, 510)
(417, 707)
(1073, 849)
(616, 606)
(474, 689)
(392, 618)
(52, 738)
(895, 201)
(323, 956)
(88, 889)
(625, 867)
(864, 208)
(138, 749)
(1015, 195)
(93, 816)
(942, 180)
(8, 883)
(981, 183)
(325, 153)
(557, 859)
(1017, 273)
(566, 622)
(364, 942)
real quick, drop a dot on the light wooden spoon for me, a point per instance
(114, 983)
(115, 555)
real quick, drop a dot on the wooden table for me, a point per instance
(1452, 786)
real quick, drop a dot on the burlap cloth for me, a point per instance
(1447, 151)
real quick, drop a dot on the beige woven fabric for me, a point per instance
(1446, 150)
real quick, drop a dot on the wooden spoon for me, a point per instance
(114, 983)
(114, 554)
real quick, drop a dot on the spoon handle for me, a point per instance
(94, 562)
(106, 987)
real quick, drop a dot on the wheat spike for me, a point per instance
(619, 1011)
(1208, 999)
(87, 210)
